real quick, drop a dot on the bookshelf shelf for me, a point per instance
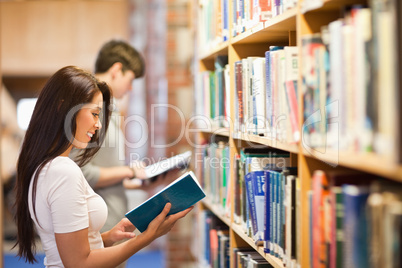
(273, 31)
(308, 38)
(275, 262)
(221, 49)
(293, 148)
(368, 162)
(283, 22)
(330, 5)
(216, 131)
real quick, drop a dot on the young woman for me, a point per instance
(53, 196)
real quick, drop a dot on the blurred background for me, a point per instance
(39, 37)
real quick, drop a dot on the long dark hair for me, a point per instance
(46, 138)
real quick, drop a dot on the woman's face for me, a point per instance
(88, 121)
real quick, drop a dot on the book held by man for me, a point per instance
(177, 161)
(182, 193)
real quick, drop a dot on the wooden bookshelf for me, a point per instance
(288, 29)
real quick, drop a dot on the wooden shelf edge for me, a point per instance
(292, 148)
(289, 14)
(275, 262)
(282, 23)
(330, 5)
(216, 50)
(366, 162)
(216, 131)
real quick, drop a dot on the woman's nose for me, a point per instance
(98, 124)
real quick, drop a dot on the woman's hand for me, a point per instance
(162, 224)
(122, 230)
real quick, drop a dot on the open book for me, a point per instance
(182, 193)
(180, 160)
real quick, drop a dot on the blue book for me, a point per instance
(269, 207)
(355, 250)
(267, 212)
(255, 195)
(182, 193)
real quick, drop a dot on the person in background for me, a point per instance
(52, 195)
(118, 64)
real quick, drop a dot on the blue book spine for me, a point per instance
(253, 88)
(251, 202)
(278, 213)
(356, 252)
(241, 15)
(282, 207)
(272, 216)
(225, 19)
(258, 184)
(267, 215)
(275, 214)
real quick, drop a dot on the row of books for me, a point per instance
(215, 249)
(216, 175)
(249, 258)
(213, 94)
(353, 215)
(350, 89)
(266, 95)
(262, 190)
(266, 100)
(215, 238)
(265, 200)
(350, 85)
(213, 23)
(355, 219)
(249, 13)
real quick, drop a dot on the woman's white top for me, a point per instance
(65, 203)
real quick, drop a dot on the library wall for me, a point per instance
(82, 27)
(179, 48)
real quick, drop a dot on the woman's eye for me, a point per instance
(95, 114)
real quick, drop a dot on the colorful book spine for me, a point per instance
(320, 194)
(255, 197)
(355, 250)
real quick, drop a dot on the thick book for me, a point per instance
(177, 161)
(182, 193)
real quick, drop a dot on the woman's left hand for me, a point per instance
(122, 230)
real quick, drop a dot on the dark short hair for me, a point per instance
(119, 51)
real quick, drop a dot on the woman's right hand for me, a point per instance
(162, 224)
